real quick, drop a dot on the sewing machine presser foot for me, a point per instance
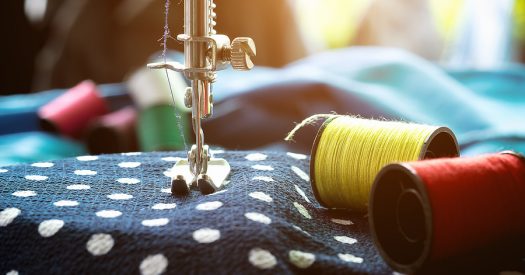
(211, 179)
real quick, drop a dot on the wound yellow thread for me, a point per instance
(351, 151)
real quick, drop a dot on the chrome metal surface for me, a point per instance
(205, 52)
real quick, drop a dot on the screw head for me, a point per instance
(243, 49)
(188, 97)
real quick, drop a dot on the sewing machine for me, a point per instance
(205, 52)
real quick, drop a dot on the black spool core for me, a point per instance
(410, 216)
(103, 140)
(442, 143)
(400, 218)
(48, 126)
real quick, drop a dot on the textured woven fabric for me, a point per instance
(114, 214)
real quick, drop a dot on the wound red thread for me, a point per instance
(475, 201)
(71, 112)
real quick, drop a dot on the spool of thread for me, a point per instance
(424, 212)
(71, 112)
(113, 133)
(159, 129)
(150, 88)
(348, 153)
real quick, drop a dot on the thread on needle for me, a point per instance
(165, 36)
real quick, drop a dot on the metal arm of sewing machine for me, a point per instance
(205, 53)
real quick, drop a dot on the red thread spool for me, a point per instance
(424, 212)
(70, 113)
(113, 133)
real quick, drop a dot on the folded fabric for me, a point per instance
(484, 109)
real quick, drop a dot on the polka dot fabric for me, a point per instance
(111, 214)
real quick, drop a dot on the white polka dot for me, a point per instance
(300, 173)
(262, 167)
(4, 170)
(261, 196)
(119, 196)
(171, 159)
(12, 272)
(132, 154)
(85, 172)
(301, 259)
(350, 258)
(43, 164)
(300, 230)
(154, 265)
(164, 206)
(263, 178)
(155, 222)
(78, 187)
(208, 206)
(206, 235)
(219, 192)
(342, 222)
(129, 164)
(87, 158)
(302, 210)
(256, 157)
(50, 227)
(65, 203)
(261, 258)
(296, 156)
(345, 239)
(24, 193)
(8, 215)
(166, 190)
(100, 244)
(301, 192)
(108, 214)
(36, 177)
(128, 180)
(169, 173)
(257, 217)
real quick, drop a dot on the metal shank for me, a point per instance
(197, 25)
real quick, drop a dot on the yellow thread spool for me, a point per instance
(348, 153)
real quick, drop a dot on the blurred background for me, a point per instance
(313, 56)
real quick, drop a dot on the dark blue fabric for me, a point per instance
(25, 250)
(23, 247)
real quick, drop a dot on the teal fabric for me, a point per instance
(502, 95)
(36, 146)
